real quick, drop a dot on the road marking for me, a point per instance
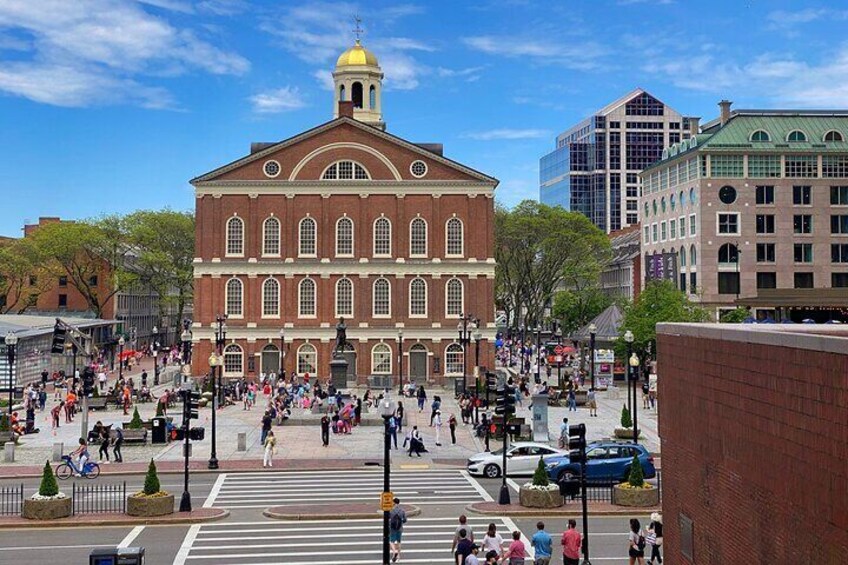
(513, 484)
(182, 554)
(131, 536)
(216, 488)
(531, 553)
(412, 466)
(477, 486)
(40, 547)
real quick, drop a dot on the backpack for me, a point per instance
(640, 545)
(395, 523)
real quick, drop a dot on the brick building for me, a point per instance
(754, 427)
(622, 276)
(344, 220)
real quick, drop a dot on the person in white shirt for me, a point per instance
(492, 540)
(437, 421)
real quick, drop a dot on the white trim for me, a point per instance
(426, 238)
(350, 267)
(227, 298)
(461, 238)
(435, 189)
(352, 236)
(445, 371)
(836, 131)
(374, 237)
(374, 300)
(391, 359)
(265, 172)
(297, 358)
(693, 224)
(448, 314)
(426, 298)
(422, 175)
(277, 283)
(738, 224)
(339, 314)
(751, 136)
(227, 237)
(353, 166)
(224, 371)
(802, 132)
(300, 313)
(279, 237)
(300, 237)
(344, 145)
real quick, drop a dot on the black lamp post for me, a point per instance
(628, 338)
(478, 335)
(464, 341)
(11, 347)
(155, 355)
(386, 411)
(592, 330)
(400, 363)
(634, 366)
(220, 338)
(121, 343)
(521, 348)
(538, 354)
(559, 358)
(283, 352)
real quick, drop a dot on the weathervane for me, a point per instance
(358, 30)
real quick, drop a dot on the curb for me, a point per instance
(123, 520)
(275, 513)
(570, 513)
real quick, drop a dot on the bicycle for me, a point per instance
(68, 467)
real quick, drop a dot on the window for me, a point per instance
(765, 195)
(662, 204)
(418, 169)
(233, 361)
(307, 244)
(803, 280)
(760, 135)
(801, 195)
(307, 359)
(802, 223)
(372, 97)
(728, 224)
(381, 359)
(381, 302)
(417, 298)
(647, 231)
(727, 194)
(271, 298)
(765, 253)
(63, 301)
(346, 170)
(693, 258)
(233, 299)
(765, 223)
(682, 256)
(344, 298)
(803, 252)
(454, 237)
(839, 280)
(839, 253)
(418, 238)
(764, 166)
(63, 281)
(271, 237)
(726, 166)
(454, 359)
(235, 236)
(766, 280)
(835, 166)
(839, 225)
(682, 198)
(356, 94)
(692, 224)
(672, 229)
(682, 222)
(382, 237)
(271, 169)
(839, 195)
(728, 283)
(728, 254)
(693, 197)
(693, 283)
(662, 231)
(344, 237)
(342, 93)
(672, 201)
(801, 166)
(454, 298)
(796, 135)
(306, 298)
(654, 233)
(833, 135)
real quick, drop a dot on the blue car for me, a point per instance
(606, 462)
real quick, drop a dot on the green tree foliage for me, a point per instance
(540, 476)
(736, 316)
(159, 410)
(576, 307)
(24, 275)
(151, 480)
(48, 486)
(538, 248)
(626, 420)
(136, 423)
(4, 423)
(637, 475)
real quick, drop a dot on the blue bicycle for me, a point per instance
(68, 468)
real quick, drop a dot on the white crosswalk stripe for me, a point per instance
(346, 542)
(264, 489)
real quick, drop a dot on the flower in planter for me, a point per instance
(152, 488)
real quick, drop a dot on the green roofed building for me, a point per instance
(753, 211)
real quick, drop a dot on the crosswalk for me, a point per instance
(420, 487)
(348, 542)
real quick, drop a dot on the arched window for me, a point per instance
(682, 256)
(693, 256)
(417, 298)
(307, 359)
(344, 237)
(271, 236)
(308, 243)
(271, 298)
(381, 359)
(672, 201)
(760, 135)
(381, 306)
(454, 298)
(382, 237)
(372, 97)
(235, 298)
(344, 298)
(342, 93)
(833, 135)
(454, 239)
(418, 238)
(233, 361)
(454, 359)
(654, 207)
(728, 253)
(235, 236)
(796, 135)
(693, 198)
(306, 298)
(345, 170)
(646, 210)
(682, 199)
(662, 204)
(356, 94)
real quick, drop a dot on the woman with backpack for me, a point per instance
(636, 543)
(655, 537)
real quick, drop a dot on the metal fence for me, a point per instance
(11, 500)
(100, 498)
(601, 490)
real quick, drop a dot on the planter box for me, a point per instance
(533, 498)
(47, 509)
(625, 433)
(635, 497)
(147, 507)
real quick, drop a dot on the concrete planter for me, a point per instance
(536, 498)
(643, 497)
(147, 507)
(47, 509)
(625, 433)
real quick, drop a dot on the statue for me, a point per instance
(341, 338)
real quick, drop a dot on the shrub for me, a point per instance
(637, 476)
(540, 477)
(136, 423)
(159, 410)
(48, 486)
(626, 422)
(4, 423)
(151, 480)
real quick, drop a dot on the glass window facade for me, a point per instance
(764, 166)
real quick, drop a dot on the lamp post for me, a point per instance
(121, 343)
(478, 336)
(220, 338)
(386, 411)
(628, 337)
(283, 352)
(11, 347)
(592, 330)
(214, 362)
(521, 348)
(400, 363)
(559, 358)
(464, 341)
(634, 366)
(538, 354)
(155, 355)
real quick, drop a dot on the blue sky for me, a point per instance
(113, 105)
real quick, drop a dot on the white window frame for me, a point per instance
(448, 313)
(738, 223)
(461, 238)
(337, 166)
(672, 229)
(426, 237)
(454, 368)
(663, 231)
(374, 231)
(234, 314)
(340, 313)
(300, 239)
(228, 239)
(265, 238)
(232, 350)
(300, 310)
(693, 225)
(424, 315)
(384, 351)
(374, 313)
(275, 312)
(310, 351)
(655, 232)
(346, 219)
(682, 227)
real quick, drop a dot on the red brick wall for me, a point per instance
(754, 450)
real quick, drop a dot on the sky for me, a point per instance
(107, 106)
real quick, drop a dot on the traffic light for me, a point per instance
(88, 381)
(505, 402)
(191, 404)
(491, 381)
(178, 434)
(58, 345)
(197, 434)
(577, 443)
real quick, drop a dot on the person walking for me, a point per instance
(462, 547)
(438, 423)
(471, 558)
(572, 542)
(572, 400)
(655, 537)
(422, 398)
(54, 413)
(592, 402)
(393, 430)
(399, 414)
(452, 426)
(563, 434)
(437, 403)
(397, 518)
(266, 426)
(636, 543)
(516, 553)
(542, 544)
(492, 541)
(103, 436)
(270, 445)
(116, 445)
(325, 430)
(462, 527)
(415, 445)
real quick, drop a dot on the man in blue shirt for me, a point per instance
(541, 543)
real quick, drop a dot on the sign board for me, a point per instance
(604, 356)
(387, 501)
(661, 266)
(559, 349)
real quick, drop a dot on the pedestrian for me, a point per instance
(462, 548)
(438, 423)
(144, 378)
(116, 445)
(101, 378)
(516, 553)
(54, 413)
(563, 434)
(492, 541)
(399, 414)
(655, 537)
(437, 403)
(572, 400)
(472, 559)
(357, 411)
(463, 525)
(422, 398)
(492, 557)
(452, 426)
(325, 430)
(645, 390)
(266, 426)
(103, 435)
(542, 544)
(415, 444)
(592, 402)
(636, 543)
(572, 542)
(397, 518)
(270, 445)
(393, 430)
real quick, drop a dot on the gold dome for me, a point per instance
(357, 55)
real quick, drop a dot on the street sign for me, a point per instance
(559, 349)
(558, 359)
(387, 501)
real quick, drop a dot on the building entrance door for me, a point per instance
(270, 359)
(418, 363)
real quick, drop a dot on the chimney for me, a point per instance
(694, 126)
(346, 108)
(724, 105)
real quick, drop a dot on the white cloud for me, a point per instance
(576, 55)
(222, 7)
(325, 78)
(507, 133)
(512, 191)
(469, 74)
(172, 5)
(283, 99)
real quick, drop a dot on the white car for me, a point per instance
(522, 459)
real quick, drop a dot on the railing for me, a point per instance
(100, 498)
(11, 500)
(601, 489)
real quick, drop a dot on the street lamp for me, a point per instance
(634, 367)
(283, 352)
(628, 337)
(464, 341)
(592, 329)
(558, 336)
(538, 354)
(155, 355)
(478, 336)
(11, 346)
(521, 348)
(121, 343)
(400, 363)
(186, 339)
(386, 411)
(220, 339)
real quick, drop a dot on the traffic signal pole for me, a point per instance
(185, 501)
(506, 407)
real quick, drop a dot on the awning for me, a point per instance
(797, 298)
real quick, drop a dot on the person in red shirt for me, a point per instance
(572, 540)
(54, 413)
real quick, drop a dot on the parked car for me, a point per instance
(606, 462)
(522, 459)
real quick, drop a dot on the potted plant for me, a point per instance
(540, 493)
(48, 503)
(626, 429)
(636, 492)
(136, 423)
(151, 501)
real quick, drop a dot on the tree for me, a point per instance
(576, 307)
(637, 475)
(626, 420)
(151, 480)
(23, 275)
(136, 423)
(48, 486)
(736, 316)
(540, 476)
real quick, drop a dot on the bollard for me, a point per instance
(58, 451)
(242, 441)
(9, 452)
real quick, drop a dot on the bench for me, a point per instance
(97, 403)
(134, 436)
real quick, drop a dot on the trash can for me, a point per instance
(130, 556)
(116, 556)
(159, 430)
